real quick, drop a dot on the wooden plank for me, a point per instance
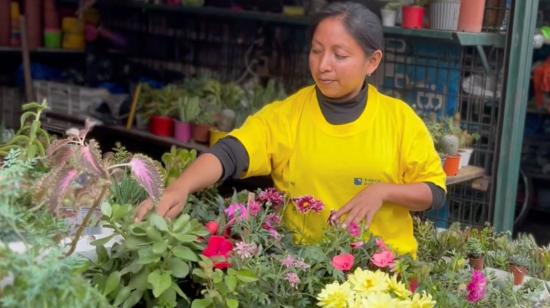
(466, 174)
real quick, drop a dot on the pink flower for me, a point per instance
(254, 207)
(245, 251)
(288, 262)
(272, 196)
(308, 204)
(381, 245)
(413, 285)
(356, 245)
(212, 227)
(383, 259)
(236, 211)
(300, 264)
(354, 230)
(274, 234)
(271, 221)
(293, 279)
(477, 287)
(343, 262)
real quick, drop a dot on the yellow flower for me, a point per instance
(423, 300)
(335, 295)
(365, 282)
(398, 288)
(380, 300)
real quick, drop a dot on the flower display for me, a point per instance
(477, 287)
(218, 249)
(308, 204)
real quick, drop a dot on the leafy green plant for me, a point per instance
(520, 260)
(474, 249)
(41, 277)
(161, 102)
(154, 257)
(79, 176)
(127, 191)
(30, 137)
(176, 161)
(189, 108)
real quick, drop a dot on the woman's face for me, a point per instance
(337, 62)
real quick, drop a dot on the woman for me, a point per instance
(364, 154)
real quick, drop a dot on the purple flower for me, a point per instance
(272, 196)
(477, 287)
(271, 221)
(300, 264)
(274, 234)
(236, 210)
(254, 207)
(354, 230)
(308, 204)
(245, 251)
(293, 279)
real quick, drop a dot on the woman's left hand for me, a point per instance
(363, 206)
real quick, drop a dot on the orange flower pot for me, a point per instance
(471, 15)
(451, 165)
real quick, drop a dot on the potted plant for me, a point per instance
(444, 14)
(189, 110)
(413, 15)
(471, 15)
(389, 12)
(159, 105)
(518, 265)
(465, 140)
(450, 144)
(200, 130)
(475, 253)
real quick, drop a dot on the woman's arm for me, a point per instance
(415, 197)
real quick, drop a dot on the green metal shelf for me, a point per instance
(461, 38)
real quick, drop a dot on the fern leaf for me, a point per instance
(147, 175)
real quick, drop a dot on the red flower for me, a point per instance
(212, 227)
(383, 259)
(413, 285)
(343, 262)
(308, 204)
(218, 248)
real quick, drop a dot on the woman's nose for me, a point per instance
(325, 64)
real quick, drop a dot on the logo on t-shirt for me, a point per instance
(364, 181)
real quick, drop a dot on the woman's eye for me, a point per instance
(315, 51)
(340, 57)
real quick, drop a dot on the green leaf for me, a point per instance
(181, 222)
(139, 281)
(120, 211)
(232, 303)
(218, 276)
(185, 238)
(106, 209)
(102, 254)
(138, 230)
(159, 222)
(179, 268)
(180, 292)
(102, 241)
(112, 282)
(134, 243)
(133, 299)
(122, 295)
(185, 253)
(133, 268)
(146, 256)
(231, 282)
(160, 280)
(246, 276)
(153, 233)
(160, 247)
(201, 303)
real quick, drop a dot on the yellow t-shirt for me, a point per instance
(306, 155)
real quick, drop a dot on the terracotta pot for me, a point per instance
(182, 131)
(471, 15)
(161, 126)
(201, 133)
(413, 17)
(5, 27)
(33, 15)
(451, 165)
(519, 273)
(476, 263)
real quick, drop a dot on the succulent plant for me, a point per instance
(519, 260)
(189, 108)
(474, 248)
(450, 144)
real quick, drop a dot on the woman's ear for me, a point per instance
(374, 61)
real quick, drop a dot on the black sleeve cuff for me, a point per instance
(438, 196)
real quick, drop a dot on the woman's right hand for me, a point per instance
(170, 205)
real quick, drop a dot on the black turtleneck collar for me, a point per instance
(338, 113)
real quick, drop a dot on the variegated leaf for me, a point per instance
(91, 158)
(58, 149)
(62, 185)
(147, 175)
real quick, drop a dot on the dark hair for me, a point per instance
(363, 25)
